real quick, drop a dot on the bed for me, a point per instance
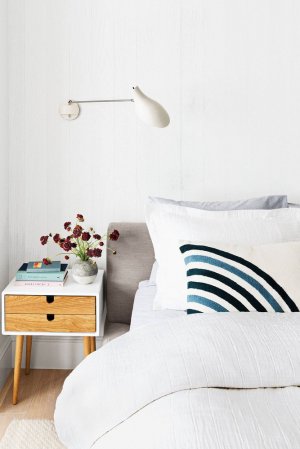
(177, 381)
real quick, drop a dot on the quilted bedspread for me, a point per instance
(203, 381)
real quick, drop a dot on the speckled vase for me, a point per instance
(84, 272)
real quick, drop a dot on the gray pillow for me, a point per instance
(263, 202)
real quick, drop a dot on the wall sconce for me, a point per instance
(148, 110)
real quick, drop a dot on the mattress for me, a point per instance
(143, 313)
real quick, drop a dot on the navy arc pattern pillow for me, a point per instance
(242, 279)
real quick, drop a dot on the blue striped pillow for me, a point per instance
(242, 279)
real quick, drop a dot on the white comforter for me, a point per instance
(196, 382)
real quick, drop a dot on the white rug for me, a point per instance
(30, 434)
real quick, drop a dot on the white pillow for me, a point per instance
(153, 275)
(263, 202)
(169, 224)
(239, 278)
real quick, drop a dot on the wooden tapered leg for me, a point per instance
(28, 353)
(93, 344)
(17, 370)
(87, 345)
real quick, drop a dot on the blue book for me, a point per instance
(40, 267)
(23, 275)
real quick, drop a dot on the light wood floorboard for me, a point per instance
(37, 396)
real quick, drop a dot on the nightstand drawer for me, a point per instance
(18, 322)
(69, 305)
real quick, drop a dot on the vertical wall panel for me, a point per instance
(17, 125)
(5, 364)
(192, 99)
(35, 137)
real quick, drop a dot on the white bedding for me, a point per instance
(203, 381)
(143, 312)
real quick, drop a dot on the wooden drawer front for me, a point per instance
(19, 322)
(69, 305)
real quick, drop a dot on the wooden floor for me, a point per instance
(37, 396)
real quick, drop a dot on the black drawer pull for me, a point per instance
(50, 316)
(50, 299)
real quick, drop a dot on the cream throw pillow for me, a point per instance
(237, 278)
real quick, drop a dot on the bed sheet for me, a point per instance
(143, 313)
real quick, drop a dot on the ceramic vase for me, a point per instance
(84, 271)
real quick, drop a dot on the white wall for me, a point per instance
(5, 347)
(228, 73)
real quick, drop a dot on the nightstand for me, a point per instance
(72, 310)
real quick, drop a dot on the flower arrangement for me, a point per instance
(82, 243)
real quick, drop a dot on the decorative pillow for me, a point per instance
(263, 202)
(236, 278)
(168, 224)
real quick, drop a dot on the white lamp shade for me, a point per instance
(69, 111)
(149, 111)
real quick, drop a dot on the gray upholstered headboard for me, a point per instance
(131, 264)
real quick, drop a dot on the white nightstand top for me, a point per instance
(70, 288)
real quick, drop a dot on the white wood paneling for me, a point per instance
(228, 73)
(5, 348)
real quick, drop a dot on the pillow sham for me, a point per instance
(236, 278)
(263, 202)
(168, 224)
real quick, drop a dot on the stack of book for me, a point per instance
(40, 274)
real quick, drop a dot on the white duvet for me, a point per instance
(213, 381)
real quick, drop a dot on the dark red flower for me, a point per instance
(86, 236)
(67, 224)
(44, 239)
(101, 243)
(90, 252)
(46, 261)
(66, 245)
(56, 238)
(114, 235)
(97, 252)
(73, 245)
(79, 217)
(97, 236)
(77, 231)
(67, 257)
